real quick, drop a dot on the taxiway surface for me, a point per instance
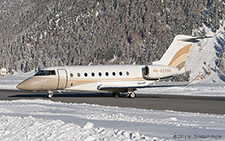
(211, 105)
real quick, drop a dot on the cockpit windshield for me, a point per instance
(45, 72)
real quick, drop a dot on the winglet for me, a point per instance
(194, 81)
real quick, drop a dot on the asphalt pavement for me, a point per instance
(197, 104)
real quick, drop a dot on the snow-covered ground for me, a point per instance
(47, 120)
(200, 89)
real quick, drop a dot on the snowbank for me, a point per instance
(42, 120)
(47, 120)
(30, 128)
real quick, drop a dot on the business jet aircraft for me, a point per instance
(114, 78)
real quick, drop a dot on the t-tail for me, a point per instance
(176, 54)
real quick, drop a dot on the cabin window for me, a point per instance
(85, 74)
(45, 72)
(78, 74)
(120, 73)
(92, 74)
(71, 74)
(113, 73)
(127, 73)
(100, 74)
(107, 74)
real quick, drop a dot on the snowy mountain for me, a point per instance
(207, 56)
(38, 34)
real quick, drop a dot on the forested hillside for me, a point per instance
(40, 33)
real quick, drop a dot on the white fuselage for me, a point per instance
(91, 78)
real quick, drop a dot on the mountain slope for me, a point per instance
(207, 57)
(38, 34)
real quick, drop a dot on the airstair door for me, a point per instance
(62, 78)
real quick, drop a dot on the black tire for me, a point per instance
(49, 96)
(132, 95)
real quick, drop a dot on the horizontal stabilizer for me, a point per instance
(193, 39)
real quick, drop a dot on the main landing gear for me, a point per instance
(129, 94)
(116, 94)
(50, 94)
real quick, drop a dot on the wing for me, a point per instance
(122, 88)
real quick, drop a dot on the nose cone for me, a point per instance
(23, 85)
(20, 86)
(28, 84)
(39, 83)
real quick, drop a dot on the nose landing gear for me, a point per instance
(50, 94)
(130, 94)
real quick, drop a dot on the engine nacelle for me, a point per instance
(155, 72)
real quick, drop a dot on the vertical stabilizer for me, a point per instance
(177, 53)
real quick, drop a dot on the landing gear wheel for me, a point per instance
(116, 95)
(131, 95)
(50, 94)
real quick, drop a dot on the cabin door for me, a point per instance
(62, 78)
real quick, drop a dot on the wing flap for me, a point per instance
(124, 86)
